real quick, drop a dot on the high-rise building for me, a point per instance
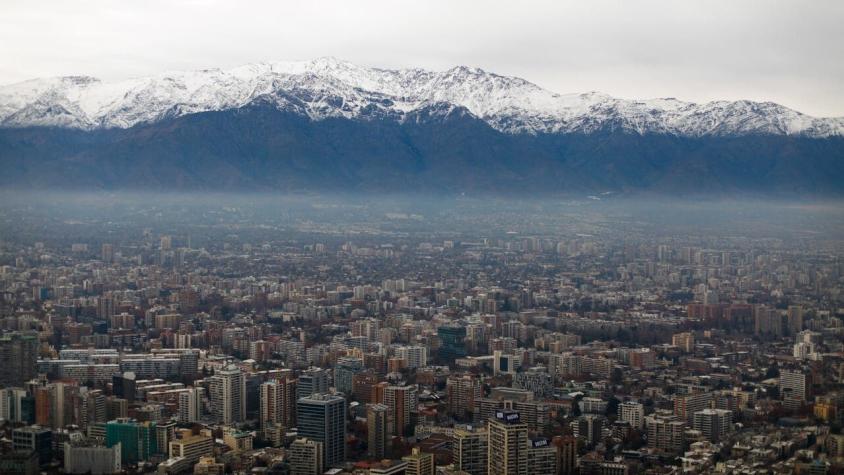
(589, 427)
(452, 344)
(714, 424)
(377, 430)
(687, 404)
(306, 457)
(795, 319)
(312, 381)
(227, 389)
(463, 392)
(793, 385)
(136, 439)
(346, 367)
(107, 253)
(322, 418)
(190, 405)
(632, 413)
(123, 386)
(13, 404)
(165, 432)
(401, 401)
(469, 450)
(36, 439)
(508, 444)
(419, 463)
(542, 457)
(19, 353)
(665, 431)
(415, 356)
(567, 447)
(685, 341)
(278, 403)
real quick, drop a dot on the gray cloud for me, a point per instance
(787, 52)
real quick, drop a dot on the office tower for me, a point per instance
(312, 381)
(34, 438)
(567, 447)
(419, 463)
(377, 430)
(227, 390)
(451, 343)
(123, 386)
(190, 405)
(278, 403)
(469, 450)
(346, 367)
(665, 431)
(714, 424)
(136, 439)
(322, 418)
(463, 391)
(415, 356)
(508, 444)
(632, 413)
(793, 385)
(401, 401)
(93, 408)
(19, 353)
(542, 457)
(306, 457)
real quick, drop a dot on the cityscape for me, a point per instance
(553, 337)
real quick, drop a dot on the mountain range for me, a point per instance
(330, 125)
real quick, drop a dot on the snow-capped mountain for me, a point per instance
(326, 87)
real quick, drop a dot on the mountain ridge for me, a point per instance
(328, 125)
(330, 88)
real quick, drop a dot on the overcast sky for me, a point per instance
(786, 52)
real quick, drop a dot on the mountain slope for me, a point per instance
(329, 125)
(437, 149)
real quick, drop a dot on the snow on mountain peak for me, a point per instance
(329, 87)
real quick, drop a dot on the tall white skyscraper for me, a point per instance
(228, 395)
